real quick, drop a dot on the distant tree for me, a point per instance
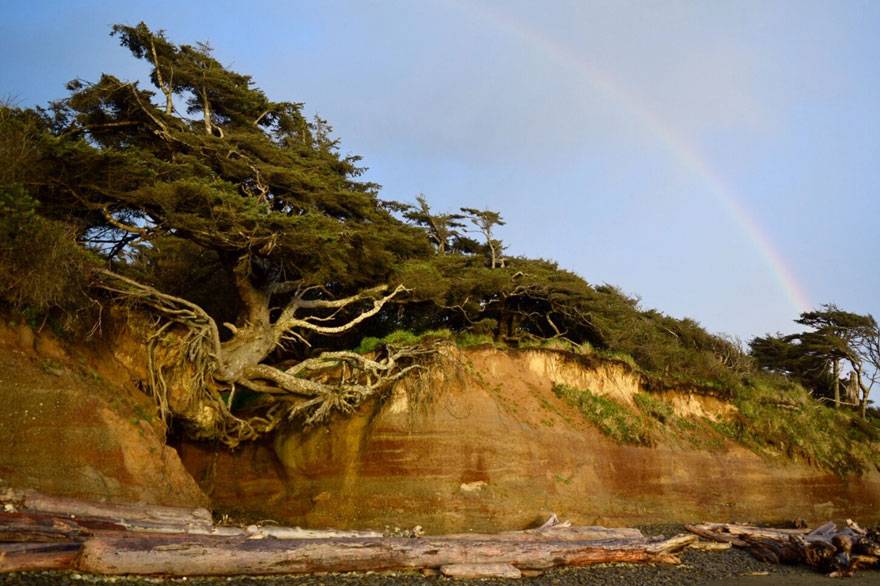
(814, 357)
(442, 229)
(486, 221)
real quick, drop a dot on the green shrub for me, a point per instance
(468, 340)
(400, 338)
(42, 268)
(611, 418)
(794, 425)
(653, 407)
(619, 357)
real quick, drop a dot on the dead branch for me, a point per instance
(833, 551)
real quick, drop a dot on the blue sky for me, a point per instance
(572, 119)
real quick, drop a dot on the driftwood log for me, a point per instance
(38, 533)
(827, 549)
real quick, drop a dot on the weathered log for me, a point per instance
(673, 544)
(126, 539)
(480, 571)
(710, 546)
(30, 557)
(22, 527)
(255, 532)
(705, 533)
(740, 530)
(180, 555)
(561, 533)
(774, 551)
(130, 515)
(833, 551)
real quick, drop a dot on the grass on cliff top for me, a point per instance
(610, 417)
(401, 338)
(778, 417)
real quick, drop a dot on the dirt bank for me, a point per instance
(74, 424)
(486, 445)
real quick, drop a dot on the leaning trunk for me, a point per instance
(252, 342)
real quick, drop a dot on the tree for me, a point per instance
(253, 191)
(254, 258)
(787, 356)
(442, 229)
(486, 221)
(814, 357)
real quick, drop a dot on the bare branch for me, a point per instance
(288, 321)
(142, 232)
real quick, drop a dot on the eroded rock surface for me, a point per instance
(487, 445)
(75, 426)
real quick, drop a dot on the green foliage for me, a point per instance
(239, 184)
(653, 407)
(560, 344)
(471, 340)
(42, 270)
(400, 338)
(813, 357)
(794, 425)
(617, 356)
(611, 418)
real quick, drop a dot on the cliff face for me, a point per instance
(483, 443)
(480, 443)
(75, 425)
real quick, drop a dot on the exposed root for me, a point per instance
(189, 369)
(337, 381)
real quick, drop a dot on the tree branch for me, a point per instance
(288, 321)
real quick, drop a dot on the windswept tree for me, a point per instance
(252, 255)
(836, 340)
(443, 229)
(485, 221)
(257, 214)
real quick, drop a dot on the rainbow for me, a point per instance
(684, 152)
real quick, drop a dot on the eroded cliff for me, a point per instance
(484, 443)
(74, 424)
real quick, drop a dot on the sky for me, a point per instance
(720, 160)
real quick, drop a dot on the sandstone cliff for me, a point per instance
(74, 424)
(483, 443)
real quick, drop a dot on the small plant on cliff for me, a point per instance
(400, 338)
(653, 407)
(609, 416)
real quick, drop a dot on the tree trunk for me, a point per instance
(835, 369)
(184, 542)
(206, 112)
(253, 341)
(218, 556)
